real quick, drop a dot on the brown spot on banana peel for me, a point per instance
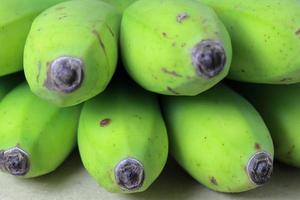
(39, 71)
(62, 17)
(213, 180)
(288, 79)
(172, 73)
(60, 8)
(260, 168)
(129, 174)
(172, 91)
(297, 32)
(110, 30)
(14, 161)
(65, 74)
(257, 147)
(105, 122)
(209, 58)
(290, 152)
(181, 17)
(96, 33)
(98, 36)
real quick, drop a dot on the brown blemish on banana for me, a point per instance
(14, 161)
(286, 80)
(257, 146)
(291, 150)
(110, 30)
(172, 73)
(105, 122)
(213, 180)
(65, 74)
(137, 116)
(181, 17)
(297, 32)
(172, 91)
(96, 33)
(62, 17)
(60, 8)
(164, 34)
(39, 71)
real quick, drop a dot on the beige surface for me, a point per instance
(71, 182)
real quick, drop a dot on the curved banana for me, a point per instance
(280, 109)
(265, 39)
(16, 17)
(219, 139)
(36, 136)
(71, 51)
(174, 47)
(122, 138)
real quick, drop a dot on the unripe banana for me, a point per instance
(122, 139)
(219, 139)
(71, 51)
(16, 17)
(265, 38)
(280, 109)
(36, 136)
(174, 47)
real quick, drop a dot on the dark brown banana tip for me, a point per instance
(14, 161)
(129, 174)
(260, 168)
(209, 58)
(65, 74)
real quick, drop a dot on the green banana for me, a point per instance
(71, 51)
(16, 17)
(174, 47)
(36, 136)
(219, 139)
(122, 139)
(280, 109)
(265, 39)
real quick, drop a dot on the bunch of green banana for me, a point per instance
(16, 17)
(122, 138)
(219, 139)
(36, 136)
(280, 109)
(265, 38)
(174, 47)
(71, 51)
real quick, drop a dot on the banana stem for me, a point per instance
(209, 58)
(260, 168)
(14, 161)
(65, 74)
(129, 174)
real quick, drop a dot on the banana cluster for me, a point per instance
(79, 57)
